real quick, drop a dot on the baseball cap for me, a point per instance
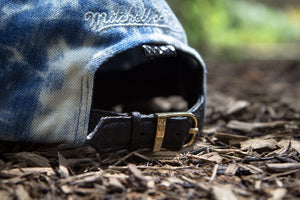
(67, 64)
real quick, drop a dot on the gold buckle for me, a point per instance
(161, 128)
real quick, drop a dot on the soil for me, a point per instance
(249, 149)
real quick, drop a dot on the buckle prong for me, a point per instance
(161, 128)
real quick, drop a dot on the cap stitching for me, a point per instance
(120, 18)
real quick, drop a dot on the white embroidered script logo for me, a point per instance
(99, 21)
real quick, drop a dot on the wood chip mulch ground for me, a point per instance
(249, 149)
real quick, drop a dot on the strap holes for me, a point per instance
(177, 134)
(142, 133)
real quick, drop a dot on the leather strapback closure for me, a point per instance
(130, 80)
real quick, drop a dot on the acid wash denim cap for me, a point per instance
(51, 51)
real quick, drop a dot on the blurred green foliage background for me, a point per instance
(241, 29)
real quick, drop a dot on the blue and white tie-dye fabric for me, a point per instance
(50, 50)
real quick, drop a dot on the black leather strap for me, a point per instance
(116, 131)
(136, 128)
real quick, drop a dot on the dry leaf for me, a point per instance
(4, 195)
(223, 193)
(276, 194)
(258, 144)
(115, 185)
(82, 178)
(67, 189)
(295, 144)
(236, 106)
(139, 181)
(211, 157)
(28, 170)
(249, 127)
(21, 193)
(230, 138)
(231, 169)
(63, 166)
(282, 167)
(251, 168)
(214, 173)
(33, 159)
